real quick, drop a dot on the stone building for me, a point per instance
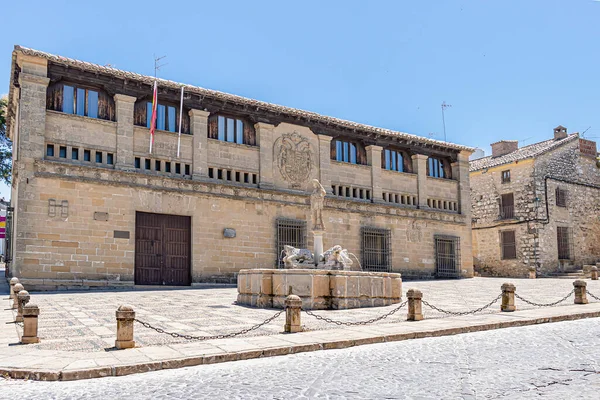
(536, 206)
(92, 206)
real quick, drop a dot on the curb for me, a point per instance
(128, 369)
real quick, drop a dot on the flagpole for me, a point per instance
(180, 119)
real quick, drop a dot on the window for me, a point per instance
(230, 130)
(109, 158)
(507, 206)
(509, 245)
(506, 176)
(166, 119)
(290, 232)
(157, 165)
(187, 169)
(138, 163)
(147, 164)
(62, 152)
(99, 157)
(561, 197)
(437, 168)
(50, 150)
(394, 160)
(80, 101)
(376, 249)
(87, 155)
(447, 256)
(564, 243)
(346, 152)
(168, 167)
(75, 154)
(177, 168)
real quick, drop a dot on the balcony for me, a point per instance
(507, 212)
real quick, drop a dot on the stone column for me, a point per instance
(265, 139)
(125, 319)
(594, 273)
(532, 273)
(13, 282)
(293, 307)
(580, 292)
(124, 109)
(415, 308)
(508, 297)
(30, 324)
(199, 125)
(325, 162)
(17, 288)
(420, 168)
(374, 160)
(460, 172)
(23, 298)
(318, 244)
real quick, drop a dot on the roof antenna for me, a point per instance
(583, 133)
(444, 106)
(524, 140)
(157, 65)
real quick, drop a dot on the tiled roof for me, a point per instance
(233, 98)
(530, 151)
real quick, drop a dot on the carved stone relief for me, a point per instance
(294, 157)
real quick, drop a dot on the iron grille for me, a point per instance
(509, 245)
(561, 197)
(563, 236)
(447, 256)
(290, 232)
(507, 206)
(376, 249)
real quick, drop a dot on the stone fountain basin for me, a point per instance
(318, 289)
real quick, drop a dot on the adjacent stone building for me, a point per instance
(536, 206)
(92, 206)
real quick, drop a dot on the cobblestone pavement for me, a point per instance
(553, 361)
(85, 321)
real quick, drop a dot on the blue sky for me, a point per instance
(511, 69)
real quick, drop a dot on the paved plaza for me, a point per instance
(85, 321)
(550, 361)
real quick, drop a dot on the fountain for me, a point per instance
(323, 280)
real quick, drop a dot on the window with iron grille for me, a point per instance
(561, 197)
(507, 206)
(376, 249)
(506, 176)
(509, 245)
(290, 232)
(447, 256)
(563, 237)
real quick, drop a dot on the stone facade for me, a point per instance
(75, 218)
(537, 172)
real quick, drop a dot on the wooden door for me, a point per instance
(162, 249)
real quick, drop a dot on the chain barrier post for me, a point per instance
(17, 288)
(580, 292)
(532, 274)
(594, 273)
(293, 306)
(415, 308)
(30, 324)
(125, 317)
(13, 282)
(508, 297)
(23, 298)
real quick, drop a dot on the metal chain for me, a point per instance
(593, 296)
(545, 304)
(462, 312)
(369, 321)
(223, 336)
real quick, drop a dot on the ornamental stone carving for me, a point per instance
(294, 157)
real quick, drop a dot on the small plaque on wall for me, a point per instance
(100, 216)
(121, 235)
(229, 232)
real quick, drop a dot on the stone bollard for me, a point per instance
(508, 297)
(17, 288)
(293, 306)
(23, 298)
(532, 274)
(13, 282)
(125, 317)
(415, 308)
(580, 292)
(594, 273)
(30, 324)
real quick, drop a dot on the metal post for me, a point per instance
(415, 308)
(580, 292)
(508, 297)
(293, 307)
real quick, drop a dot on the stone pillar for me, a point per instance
(125, 317)
(374, 160)
(594, 273)
(124, 110)
(580, 292)
(508, 297)
(420, 168)
(199, 125)
(17, 288)
(265, 138)
(460, 172)
(532, 274)
(23, 298)
(30, 324)
(318, 244)
(293, 307)
(415, 308)
(13, 282)
(325, 162)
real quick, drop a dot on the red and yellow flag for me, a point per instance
(153, 120)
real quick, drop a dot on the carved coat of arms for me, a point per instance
(294, 157)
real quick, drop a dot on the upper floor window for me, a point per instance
(507, 206)
(231, 129)
(349, 152)
(396, 161)
(80, 100)
(167, 117)
(438, 168)
(506, 176)
(561, 197)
